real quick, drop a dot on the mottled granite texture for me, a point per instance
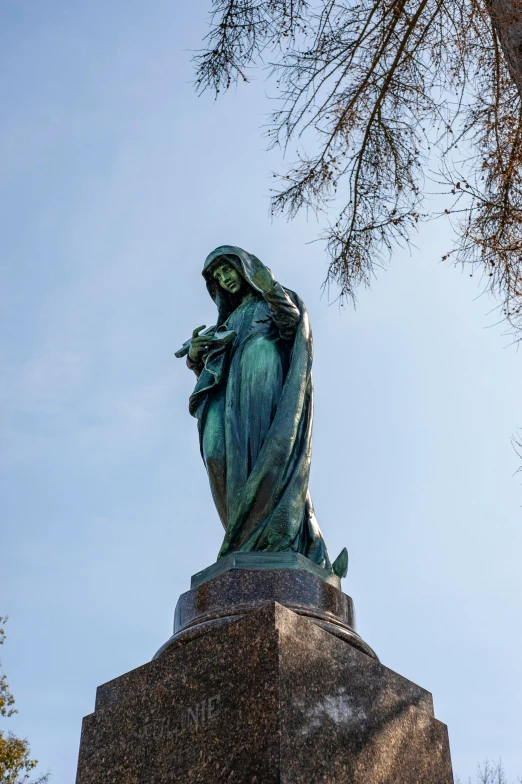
(270, 698)
(224, 598)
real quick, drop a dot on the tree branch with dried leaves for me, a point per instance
(375, 89)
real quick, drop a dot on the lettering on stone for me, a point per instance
(190, 717)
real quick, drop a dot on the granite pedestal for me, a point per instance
(244, 582)
(250, 691)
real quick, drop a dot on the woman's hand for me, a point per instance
(199, 344)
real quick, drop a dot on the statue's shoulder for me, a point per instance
(296, 299)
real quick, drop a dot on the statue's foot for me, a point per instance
(340, 565)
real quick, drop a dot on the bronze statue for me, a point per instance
(253, 400)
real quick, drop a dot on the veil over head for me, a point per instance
(245, 263)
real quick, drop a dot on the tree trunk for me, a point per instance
(507, 18)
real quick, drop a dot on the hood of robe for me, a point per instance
(245, 263)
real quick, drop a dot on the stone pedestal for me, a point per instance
(263, 695)
(244, 582)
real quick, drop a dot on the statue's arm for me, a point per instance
(195, 365)
(284, 312)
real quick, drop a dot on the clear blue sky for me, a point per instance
(116, 182)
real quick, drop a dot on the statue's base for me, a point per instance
(270, 697)
(265, 561)
(243, 582)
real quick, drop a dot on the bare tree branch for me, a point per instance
(375, 88)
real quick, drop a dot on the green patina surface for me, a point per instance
(283, 560)
(253, 400)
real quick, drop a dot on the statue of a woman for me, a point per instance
(253, 402)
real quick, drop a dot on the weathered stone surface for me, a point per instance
(224, 598)
(269, 698)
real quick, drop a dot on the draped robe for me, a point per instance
(254, 404)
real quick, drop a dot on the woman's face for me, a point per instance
(228, 277)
